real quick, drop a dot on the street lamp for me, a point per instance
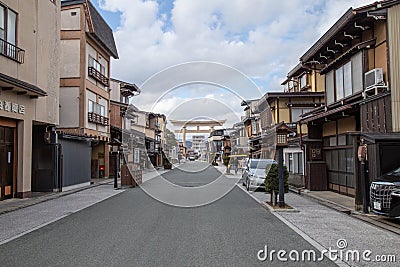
(281, 142)
(115, 151)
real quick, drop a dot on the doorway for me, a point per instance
(6, 162)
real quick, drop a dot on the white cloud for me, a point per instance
(263, 39)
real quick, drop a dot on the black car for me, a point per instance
(385, 194)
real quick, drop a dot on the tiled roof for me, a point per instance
(102, 33)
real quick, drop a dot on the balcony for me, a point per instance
(92, 72)
(12, 52)
(96, 118)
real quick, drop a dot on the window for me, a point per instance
(330, 88)
(347, 84)
(96, 65)
(345, 80)
(8, 23)
(8, 32)
(294, 162)
(2, 23)
(303, 81)
(96, 108)
(297, 112)
(357, 72)
(90, 108)
(339, 83)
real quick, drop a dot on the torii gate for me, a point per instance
(197, 124)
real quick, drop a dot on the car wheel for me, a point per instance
(243, 181)
(248, 185)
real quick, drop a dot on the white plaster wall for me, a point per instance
(69, 106)
(70, 22)
(70, 58)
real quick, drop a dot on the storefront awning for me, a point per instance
(20, 87)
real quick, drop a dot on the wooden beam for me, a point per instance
(22, 93)
(7, 88)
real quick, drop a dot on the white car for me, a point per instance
(254, 175)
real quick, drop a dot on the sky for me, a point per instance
(261, 39)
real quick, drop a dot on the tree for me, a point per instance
(272, 182)
(226, 163)
(170, 139)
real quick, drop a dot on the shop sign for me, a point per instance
(12, 107)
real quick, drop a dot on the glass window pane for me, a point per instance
(349, 161)
(332, 141)
(303, 81)
(342, 179)
(342, 160)
(357, 72)
(328, 159)
(102, 111)
(326, 141)
(350, 181)
(333, 177)
(90, 61)
(335, 162)
(90, 106)
(330, 88)
(11, 27)
(339, 83)
(301, 171)
(296, 112)
(1, 22)
(341, 140)
(348, 90)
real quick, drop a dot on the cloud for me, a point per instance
(262, 38)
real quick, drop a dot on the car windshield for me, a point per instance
(260, 164)
(395, 172)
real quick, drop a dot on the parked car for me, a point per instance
(255, 173)
(385, 194)
(192, 158)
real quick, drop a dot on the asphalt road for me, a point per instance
(133, 229)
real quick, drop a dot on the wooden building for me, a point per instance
(359, 60)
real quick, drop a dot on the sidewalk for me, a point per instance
(346, 205)
(13, 204)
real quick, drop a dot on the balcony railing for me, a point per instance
(11, 51)
(98, 76)
(96, 118)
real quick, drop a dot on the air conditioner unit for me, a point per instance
(373, 77)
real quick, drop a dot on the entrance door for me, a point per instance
(6, 162)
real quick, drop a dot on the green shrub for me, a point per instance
(272, 182)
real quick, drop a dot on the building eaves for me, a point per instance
(102, 32)
(328, 35)
(32, 89)
(272, 95)
(351, 15)
(296, 71)
(71, 2)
